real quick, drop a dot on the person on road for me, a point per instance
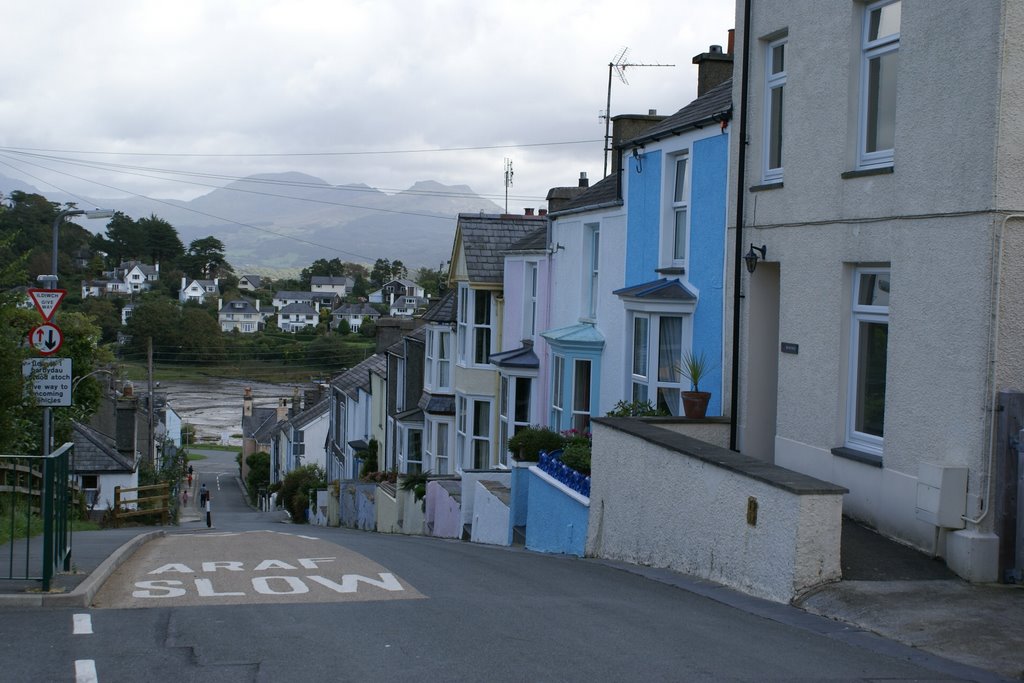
(184, 498)
(204, 495)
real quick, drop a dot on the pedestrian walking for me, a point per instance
(184, 498)
(204, 495)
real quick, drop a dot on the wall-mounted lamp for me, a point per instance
(751, 258)
(638, 156)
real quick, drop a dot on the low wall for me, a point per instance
(357, 505)
(469, 480)
(491, 513)
(557, 519)
(713, 430)
(388, 512)
(443, 516)
(663, 499)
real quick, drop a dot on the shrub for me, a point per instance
(528, 443)
(259, 473)
(294, 488)
(636, 409)
(577, 456)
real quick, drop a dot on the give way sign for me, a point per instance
(47, 300)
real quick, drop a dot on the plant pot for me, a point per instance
(695, 403)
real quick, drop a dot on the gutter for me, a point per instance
(741, 167)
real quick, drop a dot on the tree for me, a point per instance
(259, 473)
(434, 281)
(205, 259)
(384, 271)
(125, 239)
(162, 242)
(332, 268)
(159, 319)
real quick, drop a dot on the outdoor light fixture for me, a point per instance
(751, 258)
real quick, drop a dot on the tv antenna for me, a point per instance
(617, 66)
(508, 180)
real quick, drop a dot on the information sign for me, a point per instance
(49, 379)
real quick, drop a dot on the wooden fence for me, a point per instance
(148, 505)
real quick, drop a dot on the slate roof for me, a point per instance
(443, 310)
(259, 425)
(715, 102)
(437, 405)
(580, 333)
(297, 308)
(358, 376)
(254, 280)
(602, 193)
(523, 357)
(290, 294)
(243, 306)
(486, 237)
(356, 309)
(328, 280)
(661, 289)
(535, 241)
(311, 413)
(97, 453)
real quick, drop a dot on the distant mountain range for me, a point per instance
(288, 220)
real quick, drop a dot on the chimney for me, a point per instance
(628, 127)
(732, 41)
(584, 181)
(714, 67)
(282, 409)
(247, 402)
(125, 427)
(542, 212)
(528, 211)
(296, 402)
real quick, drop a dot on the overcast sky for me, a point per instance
(237, 87)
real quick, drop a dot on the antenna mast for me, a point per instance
(508, 180)
(618, 66)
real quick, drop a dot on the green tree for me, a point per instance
(205, 259)
(434, 281)
(294, 492)
(162, 242)
(159, 319)
(105, 314)
(259, 473)
(125, 239)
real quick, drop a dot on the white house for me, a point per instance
(297, 316)
(198, 290)
(354, 315)
(340, 285)
(394, 289)
(250, 283)
(882, 318)
(243, 315)
(284, 298)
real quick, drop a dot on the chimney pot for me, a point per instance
(529, 211)
(542, 212)
(732, 40)
(715, 49)
(584, 182)
(652, 112)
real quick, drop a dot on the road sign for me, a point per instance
(50, 380)
(46, 338)
(47, 301)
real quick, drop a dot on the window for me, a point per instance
(775, 81)
(880, 45)
(413, 442)
(675, 243)
(441, 458)
(438, 359)
(530, 300)
(513, 411)
(399, 384)
(474, 328)
(869, 341)
(657, 337)
(581, 396)
(473, 432)
(593, 259)
(557, 390)
(298, 446)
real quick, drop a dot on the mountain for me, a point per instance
(289, 220)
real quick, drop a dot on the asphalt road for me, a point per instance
(257, 599)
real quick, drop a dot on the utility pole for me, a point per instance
(508, 180)
(151, 446)
(618, 66)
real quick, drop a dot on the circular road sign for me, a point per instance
(46, 338)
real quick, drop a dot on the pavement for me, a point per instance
(913, 602)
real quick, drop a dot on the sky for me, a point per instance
(110, 98)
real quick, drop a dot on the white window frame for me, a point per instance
(471, 435)
(399, 384)
(510, 420)
(557, 390)
(530, 280)
(863, 314)
(640, 359)
(470, 328)
(591, 282)
(438, 359)
(871, 50)
(679, 202)
(654, 380)
(579, 420)
(774, 83)
(412, 462)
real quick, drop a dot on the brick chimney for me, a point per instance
(247, 402)
(125, 426)
(714, 67)
(282, 409)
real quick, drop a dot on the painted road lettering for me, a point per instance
(293, 585)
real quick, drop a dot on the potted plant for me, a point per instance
(694, 367)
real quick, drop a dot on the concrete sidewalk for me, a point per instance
(892, 591)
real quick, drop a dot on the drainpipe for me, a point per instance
(741, 166)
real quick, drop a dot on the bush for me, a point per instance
(294, 490)
(259, 473)
(636, 409)
(527, 444)
(577, 456)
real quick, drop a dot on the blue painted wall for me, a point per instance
(706, 263)
(556, 522)
(643, 202)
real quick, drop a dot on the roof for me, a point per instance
(523, 357)
(311, 413)
(437, 405)
(285, 294)
(398, 348)
(715, 104)
(356, 309)
(581, 333)
(603, 193)
(237, 306)
(96, 452)
(297, 307)
(331, 280)
(254, 280)
(442, 310)
(259, 425)
(535, 241)
(486, 237)
(358, 376)
(661, 290)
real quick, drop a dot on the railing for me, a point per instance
(148, 505)
(552, 465)
(40, 487)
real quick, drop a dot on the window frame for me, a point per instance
(653, 380)
(470, 329)
(861, 314)
(468, 438)
(531, 276)
(870, 50)
(591, 283)
(680, 202)
(579, 417)
(510, 420)
(557, 389)
(773, 121)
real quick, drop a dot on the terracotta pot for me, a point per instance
(695, 403)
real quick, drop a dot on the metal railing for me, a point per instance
(34, 490)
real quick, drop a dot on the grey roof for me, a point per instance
(97, 453)
(356, 309)
(714, 105)
(291, 294)
(297, 308)
(254, 280)
(661, 289)
(205, 284)
(601, 194)
(238, 306)
(331, 280)
(259, 425)
(485, 238)
(398, 348)
(523, 357)
(535, 241)
(358, 376)
(442, 310)
(311, 413)
(443, 404)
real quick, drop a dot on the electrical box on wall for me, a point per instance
(941, 495)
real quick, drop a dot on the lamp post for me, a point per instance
(50, 282)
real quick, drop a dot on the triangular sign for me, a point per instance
(47, 300)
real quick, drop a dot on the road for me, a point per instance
(256, 599)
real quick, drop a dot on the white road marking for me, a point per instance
(83, 625)
(85, 671)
